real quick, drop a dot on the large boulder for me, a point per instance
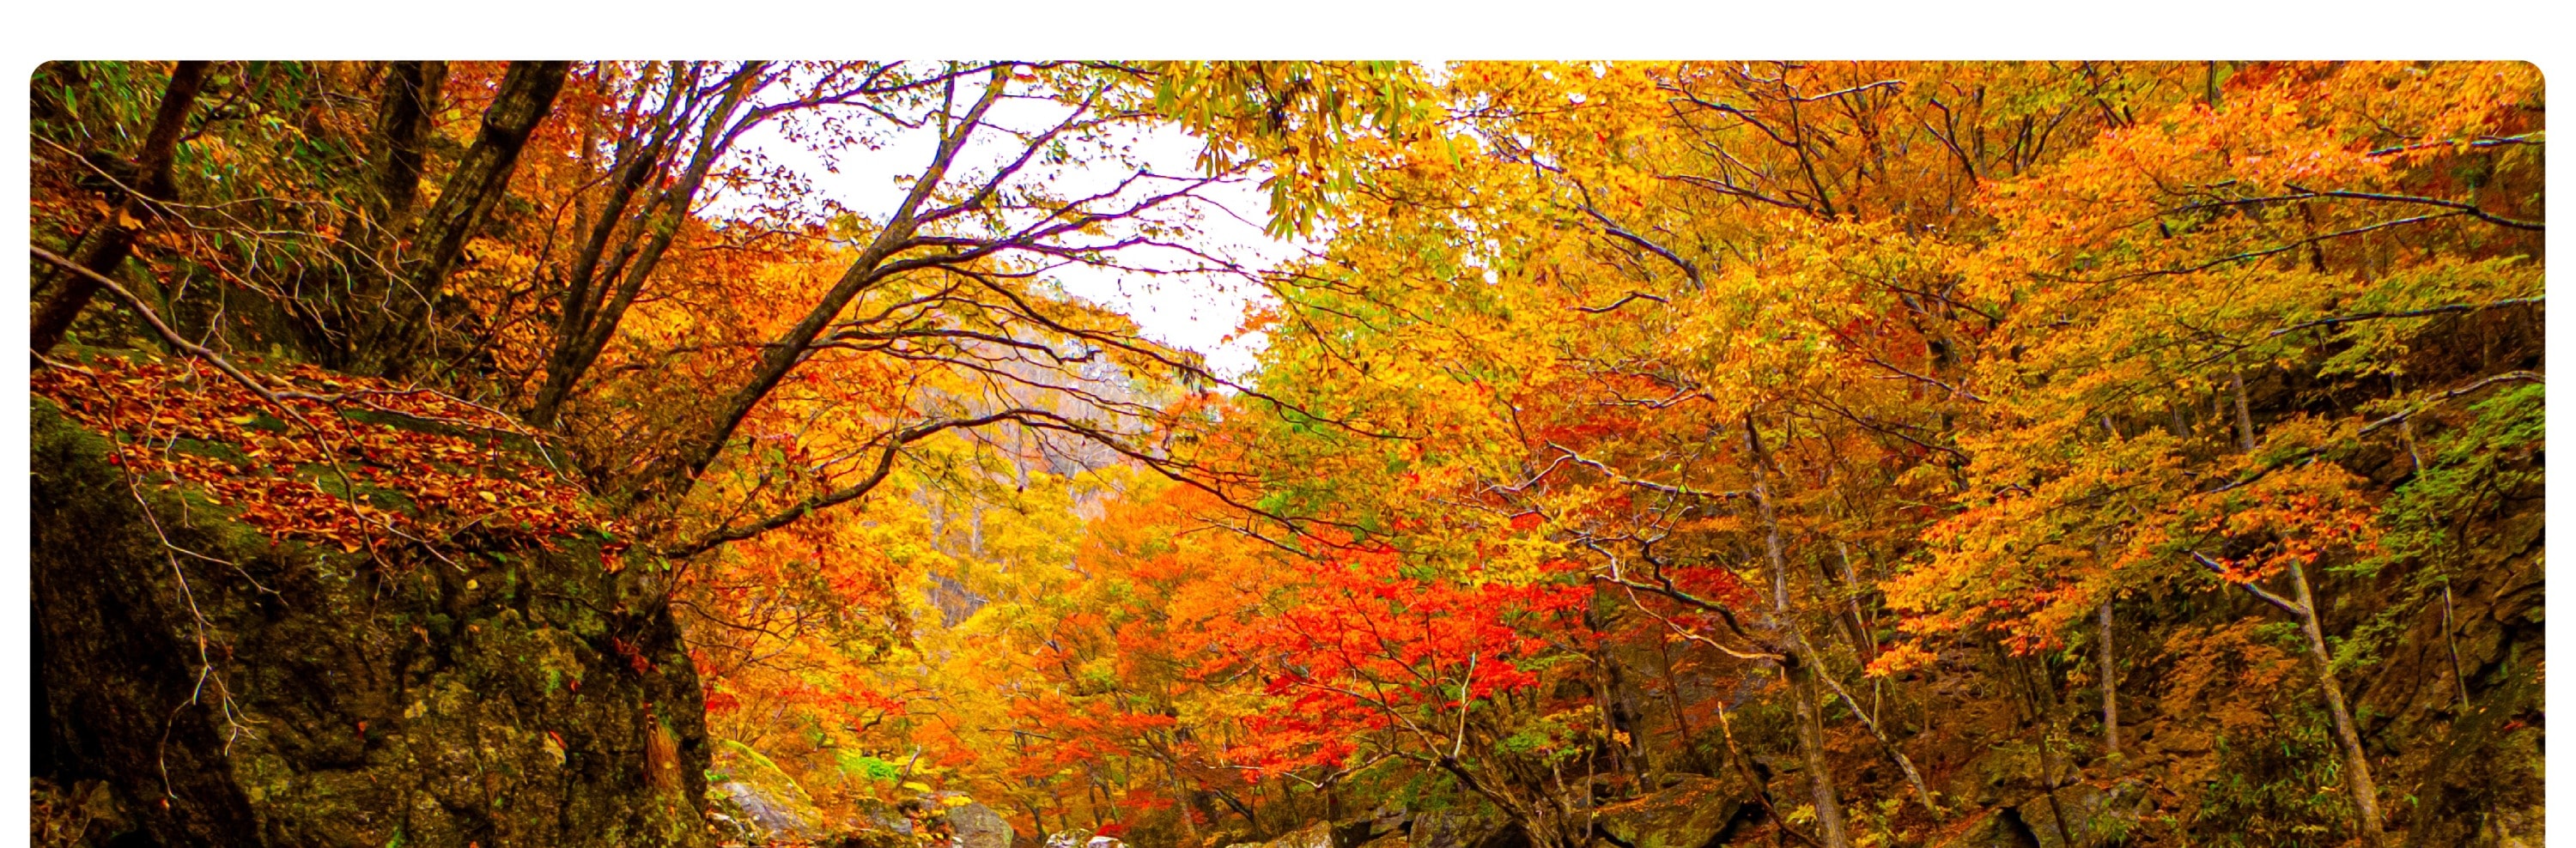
(1687, 814)
(231, 689)
(2091, 816)
(762, 803)
(1997, 828)
(1317, 835)
(973, 825)
(1444, 829)
(764, 817)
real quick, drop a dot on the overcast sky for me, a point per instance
(1195, 313)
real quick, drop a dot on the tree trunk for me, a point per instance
(592, 308)
(526, 96)
(113, 240)
(1690, 757)
(2356, 762)
(397, 154)
(408, 99)
(2056, 767)
(1800, 672)
(2110, 691)
(782, 356)
(2244, 413)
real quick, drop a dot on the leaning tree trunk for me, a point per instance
(108, 244)
(592, 307)
(398, 151)
(526, 96)
(1801, 673)
(2356, 761)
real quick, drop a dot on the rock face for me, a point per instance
(253, 693)
(2001, 828)
(1444, 829)
(761, 817)
(1687, 814)
(759, 804)
(974, 825)
(2092, 816)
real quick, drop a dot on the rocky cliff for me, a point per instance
(202, 682)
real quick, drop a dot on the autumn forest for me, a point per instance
(1580, 455)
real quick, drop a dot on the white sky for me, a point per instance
(1194, 312)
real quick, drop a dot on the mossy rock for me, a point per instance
(1686, 814)
(229, 689)
(766, 804)
(2090, 815)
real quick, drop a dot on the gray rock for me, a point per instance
(2092, 816)
(526, 698)
(1081, 839)
(1445, 829)
(765, 818)
(1317, 835)
(974, 825)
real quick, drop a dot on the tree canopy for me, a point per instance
(1834, 428)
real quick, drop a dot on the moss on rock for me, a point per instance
(229, 689)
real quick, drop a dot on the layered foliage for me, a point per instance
(1895, 441)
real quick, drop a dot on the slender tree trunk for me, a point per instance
(406, 100)
(2356, 762)
(2055, 764)
(1797, 666)
(2450, 630)
(2244, 413)
(2110, 691)
(113, 240)
(1904, 765)
(1673, 695)
(1187, 810)
(1867, 646)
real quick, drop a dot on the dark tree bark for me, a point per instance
(408, 99)
(397, 153)
(592, 308)
(108, 244)
(526, 96)
(864, 271)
